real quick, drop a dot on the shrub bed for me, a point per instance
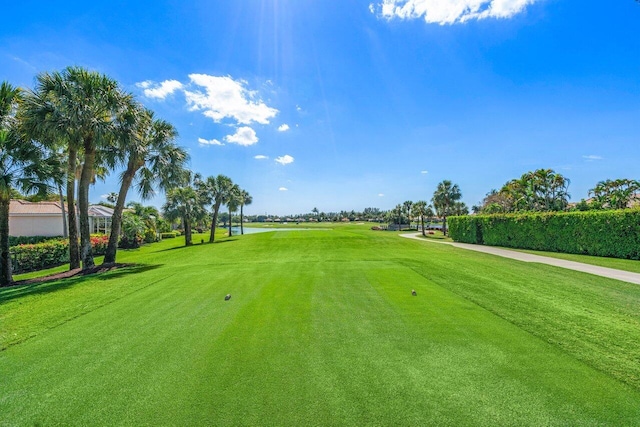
(169, 235)
(31, 257)
(599, 233)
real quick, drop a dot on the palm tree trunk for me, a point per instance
(214, 222)
(187, 231)
(241, 221)
(74, 250)
(86, 252)
(116, 219)
(6, 278)
(65, 230)
(422, 222)
(229, 222)
(444, 225)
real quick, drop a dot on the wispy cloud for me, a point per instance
(448, 11)
(261, 157)
(224, 97)
(380, 195)
(424, 172)
(244, 136)
(203, 141)
(284, 160)
(592, 158)
(283, 127)
(283, 189)
(161, 90)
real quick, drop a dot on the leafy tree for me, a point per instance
(22, 164)
(112, 197)
(616, 194)
(152, 159)
(542, 190)
(444, 200)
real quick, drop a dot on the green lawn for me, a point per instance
(617, 263)
(321, 329)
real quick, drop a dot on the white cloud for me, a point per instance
(224, 97)
(159, 91)
(592, 157)
(380, 195)
(298, 108)
(203, 141)
(449, 11)
(261, 157)
(244, 136)
(283, 127)
(284, 160)
(145, 84)
(424, 172)
(283, 189)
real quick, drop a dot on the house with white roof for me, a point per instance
(46, 219)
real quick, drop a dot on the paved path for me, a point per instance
(612, 273)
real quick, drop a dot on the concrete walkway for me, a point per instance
(611, 273)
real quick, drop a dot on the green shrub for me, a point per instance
(600, 233)
(37, 256)
(168, 235)
(31, 257)
(30, 240)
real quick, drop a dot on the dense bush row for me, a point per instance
(600, 233)
(168, 235)
(30, 257)
(30, 240)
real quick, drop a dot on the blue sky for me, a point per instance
(345, 104)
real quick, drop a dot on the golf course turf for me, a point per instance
(321, 329)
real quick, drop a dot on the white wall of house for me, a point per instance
(35, 225)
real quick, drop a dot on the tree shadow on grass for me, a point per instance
(47, 286)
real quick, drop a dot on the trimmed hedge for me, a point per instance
(30, 240)
(31, 257)
(168, 235)
(601, 233)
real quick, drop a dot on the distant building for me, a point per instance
(45, 218)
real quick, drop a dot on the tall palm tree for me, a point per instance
(76, 108)
(444, 199)
(22, 164)
(215, 190)
(233, 202)
(152, 159)
(245, 199)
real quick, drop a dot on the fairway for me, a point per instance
(321, 329)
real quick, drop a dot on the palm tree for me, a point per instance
(184, 203)
(22, 163)
(233, 202)
(407, 208)
(215, 190)
(616, 194)
(76, 108)
(444, 199)
(422, 209)
(245, 199)
(152, 159)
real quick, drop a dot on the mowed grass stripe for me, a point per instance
(325, 332)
